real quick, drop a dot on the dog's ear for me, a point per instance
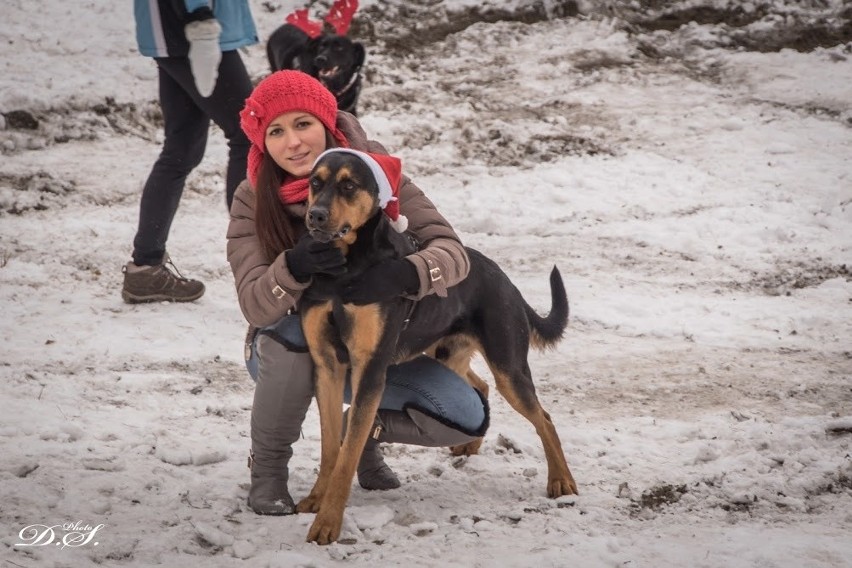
(359, 52)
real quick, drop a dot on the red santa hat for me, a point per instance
(388, 173)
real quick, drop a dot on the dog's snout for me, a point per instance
(321, 60)
(318, 216)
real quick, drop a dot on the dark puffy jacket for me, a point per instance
(266, 291)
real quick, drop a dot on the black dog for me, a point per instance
(334, 59)
(484, 313)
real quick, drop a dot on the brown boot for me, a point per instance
(158, 283)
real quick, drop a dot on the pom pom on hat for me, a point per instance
(388, 173)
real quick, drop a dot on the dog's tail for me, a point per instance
(547, 331)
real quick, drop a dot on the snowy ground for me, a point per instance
(693, 184)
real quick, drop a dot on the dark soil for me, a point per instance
(425, 23)
(802, 31)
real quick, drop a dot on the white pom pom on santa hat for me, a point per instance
(388, 173)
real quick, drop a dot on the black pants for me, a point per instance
(187, 117)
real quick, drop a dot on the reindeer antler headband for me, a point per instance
(339, 17)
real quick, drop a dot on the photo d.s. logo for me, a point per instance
(63, 535)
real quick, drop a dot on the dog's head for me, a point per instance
(343, 196)
(333, 59)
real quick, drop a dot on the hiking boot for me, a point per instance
(158, 283)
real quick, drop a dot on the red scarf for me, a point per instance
(293, 191)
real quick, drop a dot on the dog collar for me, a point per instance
(351, 82)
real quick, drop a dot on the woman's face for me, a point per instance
(295, 140)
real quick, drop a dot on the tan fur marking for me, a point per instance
(353, 212)
(343, 174)
(461, 349)
(370, 326)
(314, 324)
(322, 173)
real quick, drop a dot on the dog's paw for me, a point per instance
(561, 486)
(325, 529)
(309, 504)
(469, 449)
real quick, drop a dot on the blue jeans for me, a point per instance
(421, 383)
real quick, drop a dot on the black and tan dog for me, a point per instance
(485, 313)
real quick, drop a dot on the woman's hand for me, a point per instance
(311, 257)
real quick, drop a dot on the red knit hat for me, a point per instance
(281, 92)
(388, 173)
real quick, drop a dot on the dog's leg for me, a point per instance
(329, 383)
(329, 394)
(368, 360)
(518, 389)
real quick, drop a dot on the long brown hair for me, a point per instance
(275, 227)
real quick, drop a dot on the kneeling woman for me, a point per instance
(290, 119)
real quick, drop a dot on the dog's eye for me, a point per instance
(348, 186)
(315, 183)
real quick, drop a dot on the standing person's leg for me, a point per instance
(146, 278)
(186, 127)
(223, 106)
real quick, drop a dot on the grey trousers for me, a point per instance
(282, 397)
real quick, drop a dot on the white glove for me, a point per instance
(204, 53)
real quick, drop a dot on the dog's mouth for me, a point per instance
(329, 73)
(327, 236)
